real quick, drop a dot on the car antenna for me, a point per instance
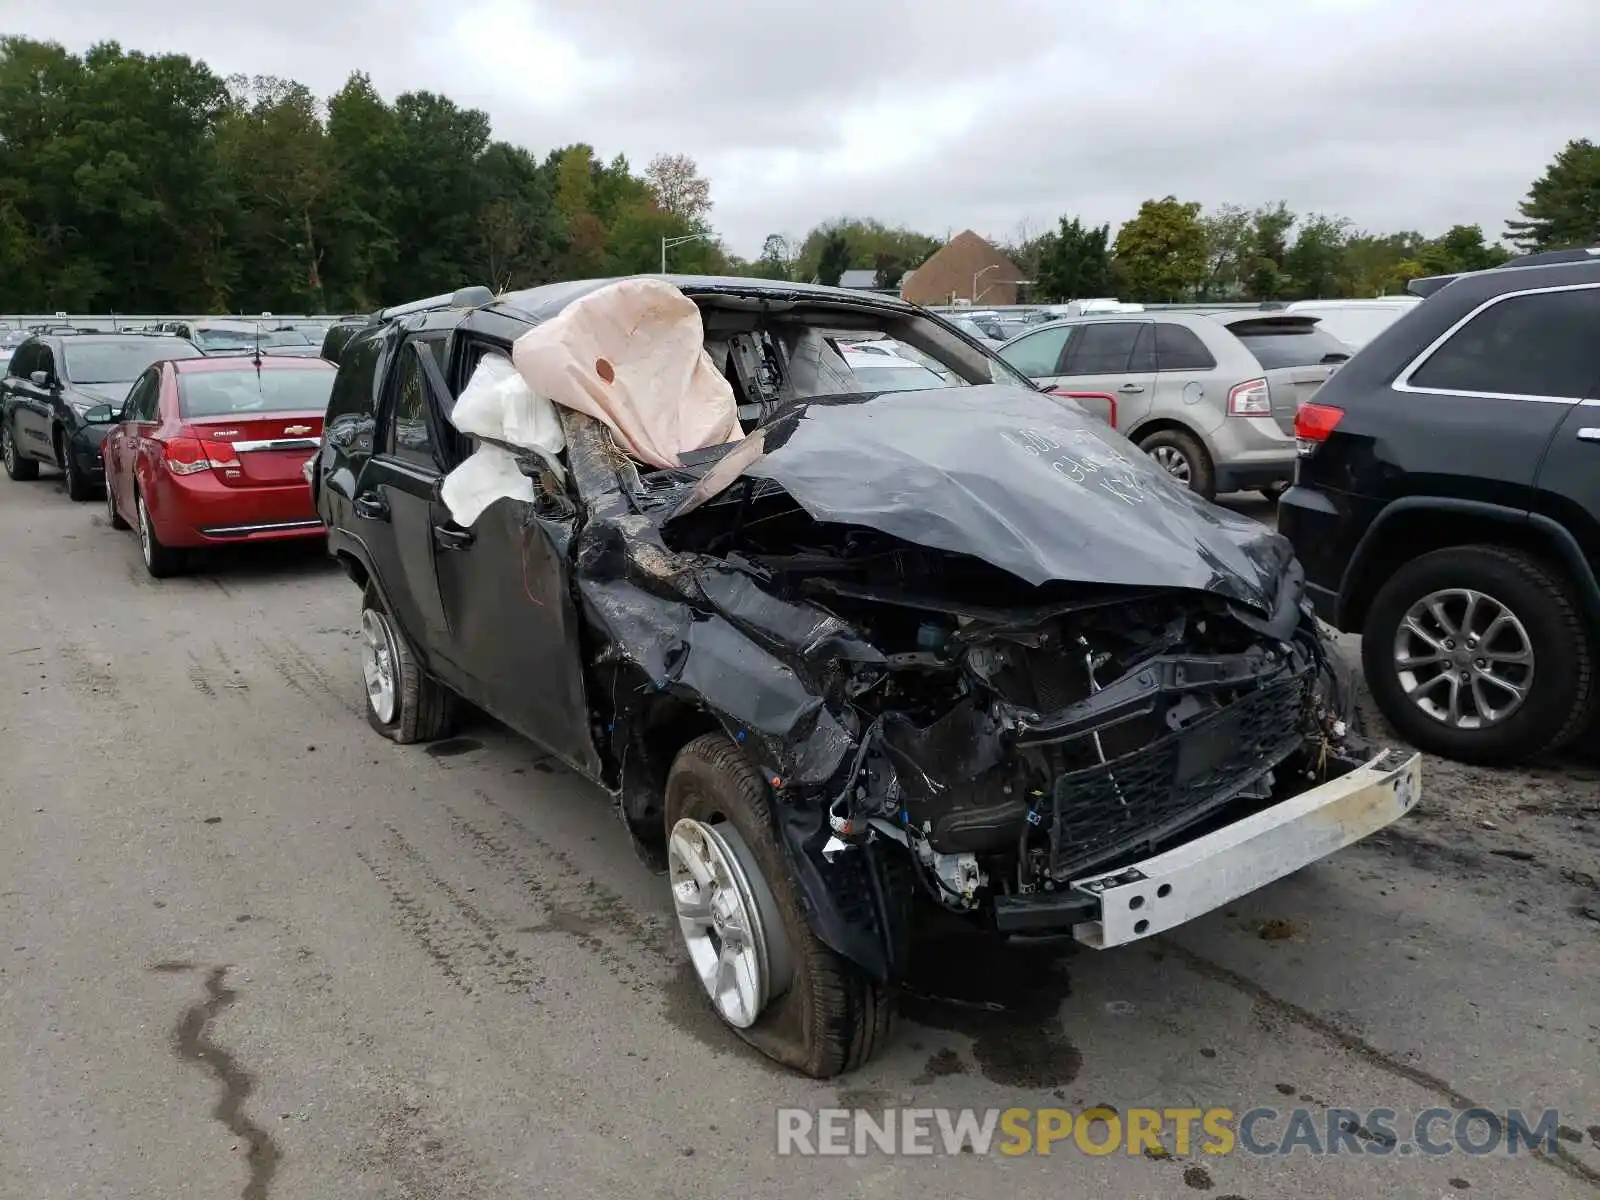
(258, 348)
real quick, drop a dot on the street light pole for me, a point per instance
(668, 243)
(980, 275)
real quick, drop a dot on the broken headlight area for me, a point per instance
(1011, 737)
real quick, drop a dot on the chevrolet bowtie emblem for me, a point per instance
(297, 429)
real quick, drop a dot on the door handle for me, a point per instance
(1588, 434)
(451, 538)
(1131, 387)
(370, 506)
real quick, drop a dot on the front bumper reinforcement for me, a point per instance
(1160, 893)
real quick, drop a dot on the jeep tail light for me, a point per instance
(1250, 399)
(1312, 425)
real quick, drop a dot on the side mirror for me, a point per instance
(40, 378)
(100, 414)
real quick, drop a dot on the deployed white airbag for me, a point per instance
(498, 404)
(632, 355)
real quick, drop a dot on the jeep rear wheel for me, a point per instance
(766, 974)
(1480, 653)
(403, 702)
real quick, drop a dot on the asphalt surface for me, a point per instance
(247, 948)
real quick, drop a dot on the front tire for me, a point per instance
(21, 469)
(1181, 455)
(817, 1013)
(78, 488)
(162, 562)
(1480, 653)
(404, 704)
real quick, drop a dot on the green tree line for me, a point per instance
(148, 183)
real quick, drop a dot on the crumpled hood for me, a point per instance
(1028, 483)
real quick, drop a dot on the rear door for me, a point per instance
(1504, 398)
(1185, 377)
(1296, 358)
(398, 494)
(1564, 361)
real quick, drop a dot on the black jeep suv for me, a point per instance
(1447, 507)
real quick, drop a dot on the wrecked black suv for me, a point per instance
(861, 653)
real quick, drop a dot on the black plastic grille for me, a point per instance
(1100, 810)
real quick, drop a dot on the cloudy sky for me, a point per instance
(948, 114)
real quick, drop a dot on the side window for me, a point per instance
(407, 434)
(1143, 357)
(45, 361)
(1179, 349)
(145, 402)
(1534, 344)
(22, 361)
(130, 404)
(1038, 354)
(1103, 348)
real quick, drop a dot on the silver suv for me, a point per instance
(1210, 396)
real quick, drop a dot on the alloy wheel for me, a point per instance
(8, 450)
(145, 537)
(728, 918)
(1173, 461)
(378, 666)
(111, 502)
(1463, 658)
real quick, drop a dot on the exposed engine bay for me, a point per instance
(1016, 737)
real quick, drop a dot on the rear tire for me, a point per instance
(1182, 456)
(113, 517)
(829, 1017)
(162, 562)
(23, 470)
(1544, 617)
(404, 704)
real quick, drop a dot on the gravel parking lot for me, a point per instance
(252, 949)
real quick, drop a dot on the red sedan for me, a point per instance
(209, 451)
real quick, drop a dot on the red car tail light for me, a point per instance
(1313, 423)
(186, 456)
(190, 456)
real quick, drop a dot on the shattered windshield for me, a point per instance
(775, 354)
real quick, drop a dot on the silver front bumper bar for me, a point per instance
(1160, 893)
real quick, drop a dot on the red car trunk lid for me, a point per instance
(261, 451)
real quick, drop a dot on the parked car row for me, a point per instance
(191, 450)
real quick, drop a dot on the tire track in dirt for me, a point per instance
(640, 951)
(469, 947)
(302, 676)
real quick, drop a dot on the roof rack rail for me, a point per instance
(1430, 284)
(467, 297)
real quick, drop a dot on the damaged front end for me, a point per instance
(1003, 709)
